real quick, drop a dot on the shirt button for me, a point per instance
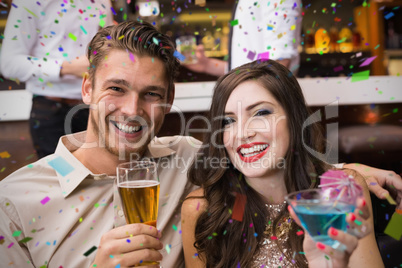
(120, 213)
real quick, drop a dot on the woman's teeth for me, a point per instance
(128, 129)
(249, 152)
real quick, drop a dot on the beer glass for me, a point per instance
(138, 186)
(187, 45)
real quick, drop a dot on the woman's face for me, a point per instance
(256, 134)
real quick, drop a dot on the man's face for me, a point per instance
(129, 100)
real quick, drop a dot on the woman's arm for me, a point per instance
(192, 207)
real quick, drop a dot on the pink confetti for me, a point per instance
(45, 200)
(132, 57)
(9, 246)
(198, 206)
(368, 61)
(300, 233)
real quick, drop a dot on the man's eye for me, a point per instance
(262, 112)
(117, 89)
(154, 95)
(227, 121)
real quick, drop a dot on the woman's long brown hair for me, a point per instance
(221, 241)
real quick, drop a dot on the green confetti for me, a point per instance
(30, 12)
(167, 249)
(174, 227)
(83, 29)
(156, 41)
(26, 239)
(360, 76)
(72, 36)
(96, 205)
(17, 233)
(393, 228)
(234, 22)
(102, 23)
(395, 110)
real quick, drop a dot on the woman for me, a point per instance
(254, 155)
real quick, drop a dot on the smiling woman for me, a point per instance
(257, 121)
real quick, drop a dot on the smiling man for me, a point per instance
(63, 210)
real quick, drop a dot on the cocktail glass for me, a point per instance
(318, 210)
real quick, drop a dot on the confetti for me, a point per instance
(17, 233)
(83, 29)
(5, 154)
(393, 228)
(25, 240)
(390, 199)
(167, 249)
(389, 15)
(179, 56)
(45, 200)
(72, 36)
(30, 12)
(102, 23)
(368, 61)
(234, 22)
(300, 232)
(263, 56)
(360, 76)
(251, 55)
(86, 254)
(61, 166)
(238, 207)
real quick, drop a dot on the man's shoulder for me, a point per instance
(180, 144)
(38, 172)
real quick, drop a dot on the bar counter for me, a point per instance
(196, 96)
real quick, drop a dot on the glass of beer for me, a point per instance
(138, 186)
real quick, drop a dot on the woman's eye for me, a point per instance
(227, 121)
(263, 112)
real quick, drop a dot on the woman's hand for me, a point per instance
(321, 255)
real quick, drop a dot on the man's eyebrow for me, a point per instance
(117, 82)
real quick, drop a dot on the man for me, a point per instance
(59, 209)
(44, 46)
(62, 209)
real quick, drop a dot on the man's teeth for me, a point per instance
(127, 129)
(248, 152)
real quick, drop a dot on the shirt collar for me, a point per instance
(71, 172)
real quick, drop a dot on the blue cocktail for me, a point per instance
(318, 210)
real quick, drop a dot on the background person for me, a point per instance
(44, 46)
(268, 29)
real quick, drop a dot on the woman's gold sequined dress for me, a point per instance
(269, 254)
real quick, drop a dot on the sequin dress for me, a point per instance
(269, 254)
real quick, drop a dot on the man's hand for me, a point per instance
(378, 179)
(77, 66)
(129, 245)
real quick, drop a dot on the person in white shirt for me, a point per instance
(44, 46)
(261, 30)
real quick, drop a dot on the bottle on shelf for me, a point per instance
(322, 41)
(345, 36)
(309, 43)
